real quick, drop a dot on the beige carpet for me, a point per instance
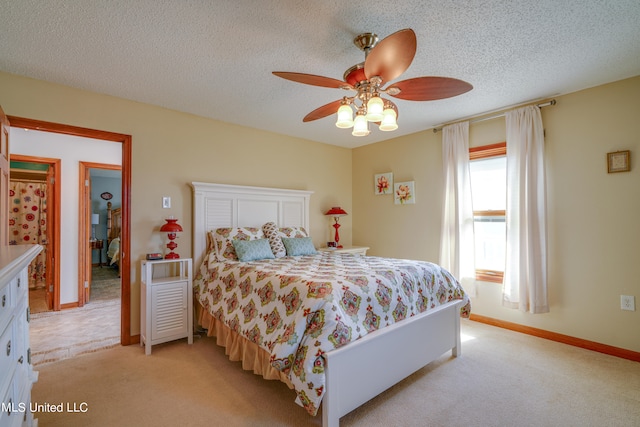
(502, 379)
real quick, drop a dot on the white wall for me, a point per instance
(72, 150)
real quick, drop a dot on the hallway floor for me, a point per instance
(56, 335)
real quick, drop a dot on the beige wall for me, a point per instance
(172, 149)
(593, 217)
(594, 232)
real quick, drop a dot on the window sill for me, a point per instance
(489, 276)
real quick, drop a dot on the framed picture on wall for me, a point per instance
(404, 193)
(618, 161)
(383, 183)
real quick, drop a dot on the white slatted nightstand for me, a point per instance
(166, 309)
(358, 250)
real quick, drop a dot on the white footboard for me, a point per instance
(365, 368)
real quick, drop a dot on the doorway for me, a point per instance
(33, 182)
(101, 185)
(84, 223)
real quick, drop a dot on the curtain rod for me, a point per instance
(494, 116)
(34, 181)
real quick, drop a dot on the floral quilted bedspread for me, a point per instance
(299, 308)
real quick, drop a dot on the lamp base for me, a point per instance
(172, 255)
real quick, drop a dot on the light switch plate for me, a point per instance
(628, 302)
(166, 202)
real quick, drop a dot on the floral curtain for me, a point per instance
(28, 223)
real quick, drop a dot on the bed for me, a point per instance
(114, 226)
(330, 347)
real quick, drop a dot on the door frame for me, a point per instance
(85, 256)
(125, 239)
(53, 219)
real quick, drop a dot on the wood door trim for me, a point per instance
(84, 268)
(125, 237)
(53, 217)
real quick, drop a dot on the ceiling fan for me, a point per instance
(384, 61)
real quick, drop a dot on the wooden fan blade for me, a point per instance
(392, 56)
(313, 80)
(323, 111)
(429, 88)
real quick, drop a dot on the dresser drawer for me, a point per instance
(6, 303)
(20, 286)
(12, 411)
(7, 351)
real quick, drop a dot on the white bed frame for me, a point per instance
(364, 368)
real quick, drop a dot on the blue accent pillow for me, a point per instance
(297, 246)
(253, 250)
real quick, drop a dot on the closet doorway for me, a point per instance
(34, 202)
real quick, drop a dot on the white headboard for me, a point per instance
(222, 205)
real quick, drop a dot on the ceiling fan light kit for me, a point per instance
(384, 61)
(360, 125)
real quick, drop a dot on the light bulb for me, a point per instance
(389, 120)
(345, 117)
(360, 126)
(374, 109)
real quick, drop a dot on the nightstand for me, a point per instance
(97, 245)
(358, 250)
(166, 309)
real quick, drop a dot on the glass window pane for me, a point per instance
(489, 183)
(490, 237)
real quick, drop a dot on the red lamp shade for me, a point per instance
(336, 212)
(171, 228)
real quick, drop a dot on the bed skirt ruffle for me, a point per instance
(238, 348)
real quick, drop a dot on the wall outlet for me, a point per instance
(166, 202)
(628, 302)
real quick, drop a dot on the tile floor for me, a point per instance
(56, 335)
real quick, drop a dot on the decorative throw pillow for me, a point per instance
(299, 246)
(270, 230)
(223, 240)
(253, 250)
(292, 232)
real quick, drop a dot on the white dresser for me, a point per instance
(16, 373)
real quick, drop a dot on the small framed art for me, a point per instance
(404, 193)
(383, 183)
(618, 161)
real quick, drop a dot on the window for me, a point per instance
(488, 170)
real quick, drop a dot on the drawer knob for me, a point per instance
(18, 282)
(9, 348)
(4, 300)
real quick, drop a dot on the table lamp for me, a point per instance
(336, 212)
(171, 228)
(95, 220)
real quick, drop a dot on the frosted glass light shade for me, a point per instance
(360, 126)
(345, 117)
(389, 120)
(374, 109)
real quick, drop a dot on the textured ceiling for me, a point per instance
(215, 58)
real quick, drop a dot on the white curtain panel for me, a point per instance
(525, 275)
(457, 250)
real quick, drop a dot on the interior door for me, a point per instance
(50, 235)
(4, 179)
(86, 197)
